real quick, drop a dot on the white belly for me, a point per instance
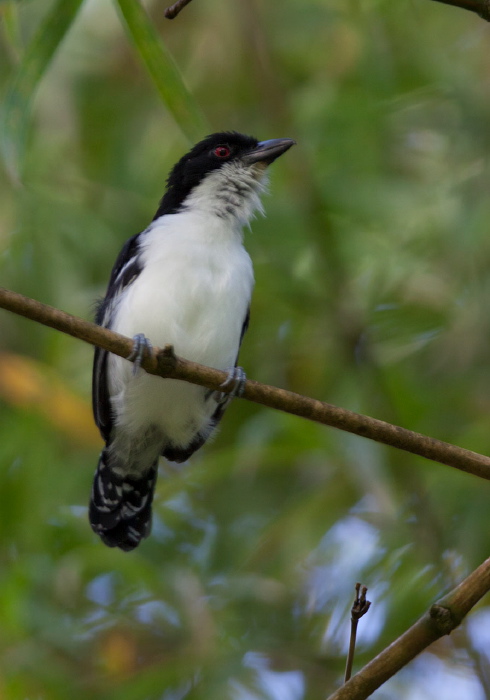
(193, 293)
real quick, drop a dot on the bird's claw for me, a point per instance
(141, 347)
(234, 382)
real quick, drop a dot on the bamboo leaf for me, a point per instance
(16, 111)
(9, 19)
(163, 70)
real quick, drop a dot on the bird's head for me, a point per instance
(224, 174)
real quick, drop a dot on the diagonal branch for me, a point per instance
(441, 619)
(175, 9)
(481, 7)
(164, 363)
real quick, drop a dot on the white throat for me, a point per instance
(231, 193)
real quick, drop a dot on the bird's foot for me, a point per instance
(141, 347)
(234, 382)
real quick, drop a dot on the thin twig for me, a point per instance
(359, 608)
(172, 11)
(441, 619)
(166, 364)
(481, 7)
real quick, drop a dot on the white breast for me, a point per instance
(193, 292)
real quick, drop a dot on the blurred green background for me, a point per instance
(372, 292)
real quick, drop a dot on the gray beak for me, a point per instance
(267, 151)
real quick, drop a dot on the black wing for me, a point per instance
(245, 325)
(126, 269)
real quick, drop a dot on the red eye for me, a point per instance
(222, 151)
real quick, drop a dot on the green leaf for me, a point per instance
(163, 70)
(9, 18)
(15, 114)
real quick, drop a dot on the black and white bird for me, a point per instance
(186, 280)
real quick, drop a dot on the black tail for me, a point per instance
(120, 506)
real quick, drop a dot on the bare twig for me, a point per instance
(172, 11)
(359, 608)
(166, 364)
(441, 619)
(481, 7)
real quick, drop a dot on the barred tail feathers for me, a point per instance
(120, 506)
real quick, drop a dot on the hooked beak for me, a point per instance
(267, 151)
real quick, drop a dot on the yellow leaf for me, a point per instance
(30, 384)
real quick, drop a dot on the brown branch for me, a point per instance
(481, 7)
(172, 11)
(441, 619)
(164, 363)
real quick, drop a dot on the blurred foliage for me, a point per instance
(373, 281)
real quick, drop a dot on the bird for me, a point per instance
(186, 280)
